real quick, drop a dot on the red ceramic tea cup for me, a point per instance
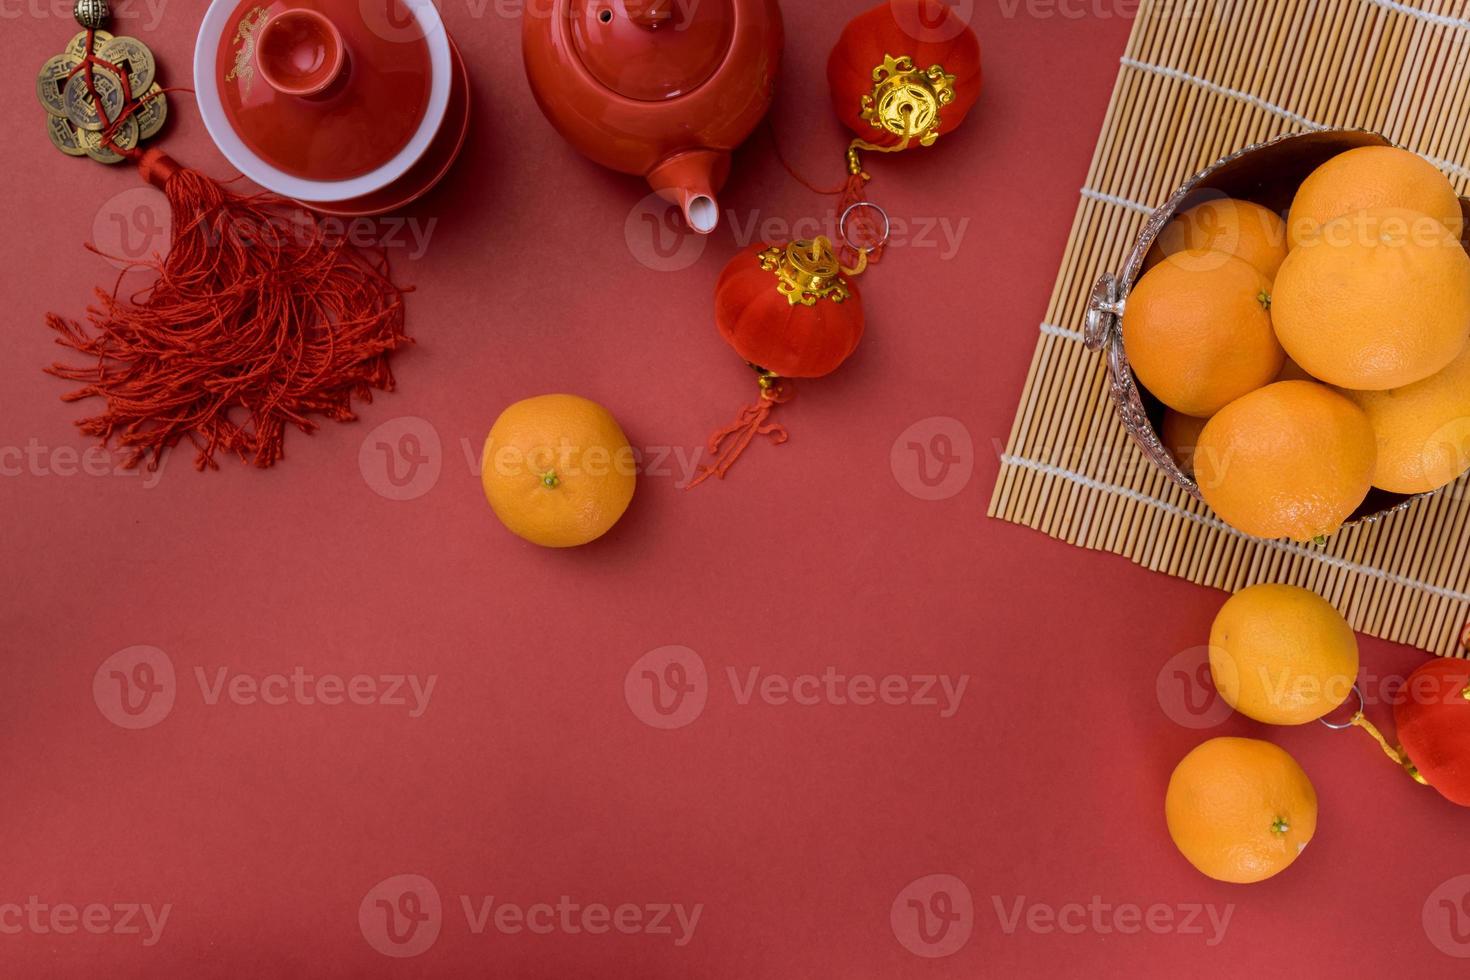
(301, 52)
(325, 101)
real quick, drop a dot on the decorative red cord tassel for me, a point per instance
(852, 192)
(258, 319)
(729, 443)
(866, 227)
(789, 311)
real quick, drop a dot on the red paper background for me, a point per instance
(528, 777)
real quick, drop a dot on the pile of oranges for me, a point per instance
(1303, 362)
(1242, 809)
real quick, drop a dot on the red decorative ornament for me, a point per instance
(1433, 720)
(902, 75)
(790, 311)
(259, 318)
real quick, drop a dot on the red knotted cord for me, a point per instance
(852, 191)
(729, 443)
(258, 319)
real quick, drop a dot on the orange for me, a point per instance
(1372, 177)
(1380, 301)
(1291, 460)
(558, 470)
(1239, 228)
(1197, 332)
(1292, 371)
(1181, 435)
(1423, 429)
(1282, 655)
(1239, 809)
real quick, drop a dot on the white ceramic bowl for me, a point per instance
(206, 88)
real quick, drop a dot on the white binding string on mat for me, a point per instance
(1262, 104)
(1210, 521)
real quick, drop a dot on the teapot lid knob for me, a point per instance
(651, 14)
(652, 50)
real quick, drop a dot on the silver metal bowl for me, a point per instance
(1268, 174)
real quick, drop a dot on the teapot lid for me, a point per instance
(652, 50)
(324, 90)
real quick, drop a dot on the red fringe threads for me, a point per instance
(258, 319)
(729, 443)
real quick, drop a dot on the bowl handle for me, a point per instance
(1102, 333)
(1103, 312)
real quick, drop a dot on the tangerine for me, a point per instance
(558, 470)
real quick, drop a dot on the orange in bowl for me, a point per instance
(1372, 177)
(1423, 429)
(1239, 228)
(558, 470)
(1292, 371)
(1380, 300)
(1180, 434)
(1291, 460)
(1197, 331)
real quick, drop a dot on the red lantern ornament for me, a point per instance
(790, 311)
(1433, 720)
(902, 75)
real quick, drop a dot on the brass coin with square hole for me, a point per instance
(132, 55)
(126, 138)
(51, 82)
(82, 108)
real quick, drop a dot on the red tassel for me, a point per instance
(729, 443)
(258, 319)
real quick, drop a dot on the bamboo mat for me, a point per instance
(1200, 79)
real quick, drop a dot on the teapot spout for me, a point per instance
(690, 180)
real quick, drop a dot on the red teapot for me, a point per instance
(664, 89)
